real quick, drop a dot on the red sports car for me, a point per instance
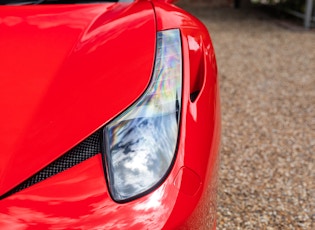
(110, 116)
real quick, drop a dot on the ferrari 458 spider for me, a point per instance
(110, 116)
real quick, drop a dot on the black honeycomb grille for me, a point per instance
(83, 151)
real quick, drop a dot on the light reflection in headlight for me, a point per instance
(141, 142)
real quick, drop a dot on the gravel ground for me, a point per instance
(267, 74)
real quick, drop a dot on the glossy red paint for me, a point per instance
(201, 124)
(58, 84)
(79, 198)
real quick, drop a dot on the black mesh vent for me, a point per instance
(83, 151)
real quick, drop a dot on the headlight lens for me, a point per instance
(141, 142)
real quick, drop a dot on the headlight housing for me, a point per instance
(140, 144)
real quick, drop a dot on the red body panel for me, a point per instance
(79, 197)
(58, 84)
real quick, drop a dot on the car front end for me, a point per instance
(111, 117)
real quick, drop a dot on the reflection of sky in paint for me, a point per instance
(142, 141)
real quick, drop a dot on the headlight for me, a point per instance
(140, 144)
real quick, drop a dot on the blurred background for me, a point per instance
(266, 62)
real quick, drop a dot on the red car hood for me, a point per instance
(66, 70)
